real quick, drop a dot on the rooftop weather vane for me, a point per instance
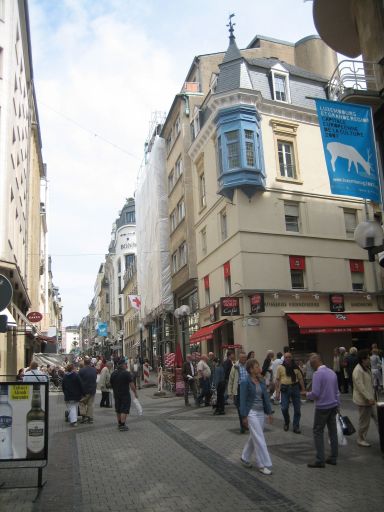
(231, 25)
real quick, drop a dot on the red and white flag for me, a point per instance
(135, 301)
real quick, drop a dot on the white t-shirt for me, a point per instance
(35, 376)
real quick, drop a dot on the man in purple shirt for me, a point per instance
(325, 393)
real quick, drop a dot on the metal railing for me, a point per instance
(353, 76)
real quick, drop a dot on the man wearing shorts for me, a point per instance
(122, 384)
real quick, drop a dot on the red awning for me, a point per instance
(337, 322)
(206, 332)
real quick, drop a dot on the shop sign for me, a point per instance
(35, 317)
(336, 303)
(235, 345)
(257, 303)
(230, 306)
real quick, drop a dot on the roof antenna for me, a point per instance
(231, 25)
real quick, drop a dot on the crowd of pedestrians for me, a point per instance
(280, 380)
(252, 387)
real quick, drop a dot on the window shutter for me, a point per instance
(356, 265)
(227, 269)
(297, 262)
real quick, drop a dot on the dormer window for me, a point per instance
(280, 84)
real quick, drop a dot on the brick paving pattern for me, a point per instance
(185, 459)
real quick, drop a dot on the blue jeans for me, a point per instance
(291, 393)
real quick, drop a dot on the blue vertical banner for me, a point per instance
(349, 149)
(102, 329)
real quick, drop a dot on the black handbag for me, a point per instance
(346, 425)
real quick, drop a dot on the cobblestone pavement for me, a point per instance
(185, 459)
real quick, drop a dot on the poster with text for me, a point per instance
(349, 149)
(23, 421)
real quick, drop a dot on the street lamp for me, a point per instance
(369, 235)
(182, 313)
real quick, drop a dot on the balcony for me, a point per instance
(356, 82)
(191, 87)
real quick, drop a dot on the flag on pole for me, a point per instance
(135, 301)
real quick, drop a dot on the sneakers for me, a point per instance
(296, 430)
(265, 471)
(330, 461)
(286, 427)
(74, 424)
(123, 428)
(363, 442)
(245, 463)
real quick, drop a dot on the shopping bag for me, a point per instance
(341, 439)
(213, 400)
(346, 425)
(138, 406)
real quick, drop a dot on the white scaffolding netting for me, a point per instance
(152, 230)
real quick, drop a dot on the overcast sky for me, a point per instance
(101, 68)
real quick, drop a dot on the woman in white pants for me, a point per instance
(254, 405)
(73, 392)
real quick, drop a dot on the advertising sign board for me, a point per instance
(23, 421)
(349, 149)
(257, 303)
(336, 303)
(230, 306)
(34, 317)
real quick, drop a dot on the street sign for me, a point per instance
(35, 317)
(6, 292)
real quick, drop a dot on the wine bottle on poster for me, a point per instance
(36, 427)
(6, 415)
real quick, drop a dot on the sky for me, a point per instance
(101, 69)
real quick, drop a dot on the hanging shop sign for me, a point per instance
(349, 149)
(336, 303)
(35, 317)
(257, 303)
(230, 306)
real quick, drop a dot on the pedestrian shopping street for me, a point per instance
(179, 459)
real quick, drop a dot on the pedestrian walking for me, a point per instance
(266, 370)
(33, 374)
(275, 364)
(376, 370)
(254, 405)
(364, 396)
(122, 384)
(352, 361)
(289, 382)
(237, 375)
(88, 376)
(105, 384)
(188, 372)
(336, 367)
(73, 392)
(219, 383)
(343, 369)
(227, 365)
(325, 393)
(204, 374)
